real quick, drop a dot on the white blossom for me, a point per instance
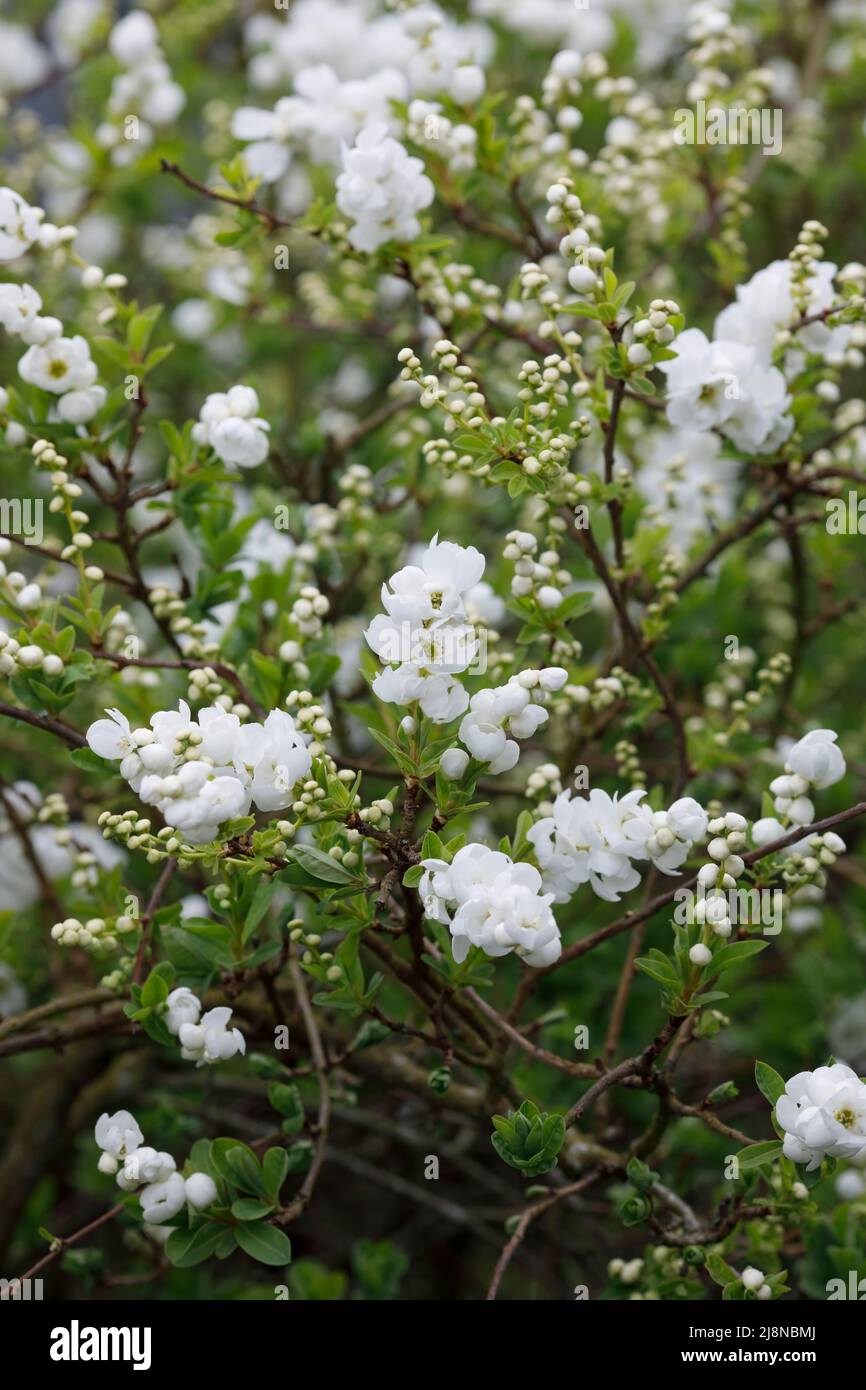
(211, 1040)
(160, 1201)
(488, 900)
(381, 189)
(182, 1006)
(823, 1114)
(117, 1135)
(19, 224)
(725, 385)
(202, 773)
(229, 423)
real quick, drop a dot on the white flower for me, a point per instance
(752, 1278)
(134, 38)
(118, 1134)
(591, 839)
(496, 904)
(381, 189)
(77, 407)
(235, 764)
(163, 1200)
(322, 116)
(817, 759)
(19, 308)
(211, 1040)
(19, 224)
(436, 588)
(230, 425)
(201, 1190)
(725, 385)
(63, 364)
(182, 1006)
(441, 697)
(688, 819)
(423, 638)
(688, 484)
(823, 1113)
(278, 757)
(23, 61)
(492, 715)
(765, 306)
(144, 1165)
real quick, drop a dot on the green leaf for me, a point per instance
(770, 1083)
(88, 760)
(275, 1168)
(720, 1271)
(321, 866)
(244, 1170)
(259, 906)
(186, 1248)
(735, 954)
(757, 1155)
(264, 1243)
(251, 1208)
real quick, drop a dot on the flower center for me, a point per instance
(846, 1117)
(57, 368)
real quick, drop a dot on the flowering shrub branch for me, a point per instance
(441, 530)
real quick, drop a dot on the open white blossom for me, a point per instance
(117, 1135)
(488, 900)
(726, 385)
(324, 115)
(765, 307)
(823, 1114)
(211, 1039)
(229, 423)
(381, 189)
(19, 224)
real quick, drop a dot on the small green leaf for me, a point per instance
(757, 1155)
(186, 1248)
(264, 1243)
(250, 1208)
(770, 1083)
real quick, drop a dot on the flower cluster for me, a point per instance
(54, 362)
(498, 716)
(488, 900)
(162, 1190)
(202, 772)
(597, 839)
(423, 637)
